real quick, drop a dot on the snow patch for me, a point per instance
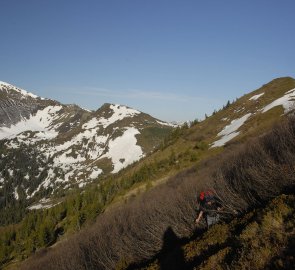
(93, 123)
(95, 173)
(10, 172)
(40, 122)
(15, 194)
(43, 204)
(256, 97)
(230, 131)
(4, 84)
(287, 101)
(167, 124)
(120, 112)
(124, 150)
(86, 110)
(82, 184)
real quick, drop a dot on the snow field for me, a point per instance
(124, 150)
(41, 122)
(230, 131)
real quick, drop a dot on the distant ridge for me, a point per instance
(68, 146)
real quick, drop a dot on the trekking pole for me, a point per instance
(222, 211)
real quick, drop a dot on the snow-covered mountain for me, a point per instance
(46, 146)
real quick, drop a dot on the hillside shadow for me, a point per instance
(174, 258)
(171, 256)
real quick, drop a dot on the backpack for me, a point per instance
(206, 196)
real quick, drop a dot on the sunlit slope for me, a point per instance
(249, 116)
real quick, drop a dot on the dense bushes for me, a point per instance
(259, 170)
(248, 175)
(261, 239)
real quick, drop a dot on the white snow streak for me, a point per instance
(43, 204)
(15, 193)
(287, 101)
(167, 124)
(230, 131)
(256, 97)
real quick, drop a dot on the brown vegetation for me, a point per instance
(245, 177)
(261, 239)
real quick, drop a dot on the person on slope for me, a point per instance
(209, 208)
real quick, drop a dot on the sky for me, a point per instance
(173, 59)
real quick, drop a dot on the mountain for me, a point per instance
(47, 147)
(123, 219)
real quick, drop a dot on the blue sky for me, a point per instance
(175, 60)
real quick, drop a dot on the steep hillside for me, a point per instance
(261, 239)
(46, 147)
(249, 115)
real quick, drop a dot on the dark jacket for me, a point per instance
(210, 209)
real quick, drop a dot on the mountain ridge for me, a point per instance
(73, 146)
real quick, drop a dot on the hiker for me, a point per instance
(209, 208)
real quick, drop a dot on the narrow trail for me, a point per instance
(140, 189)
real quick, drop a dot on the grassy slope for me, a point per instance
(193, 144)
(261, 239)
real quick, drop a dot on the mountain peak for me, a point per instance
(7, 87)
(4, 83)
